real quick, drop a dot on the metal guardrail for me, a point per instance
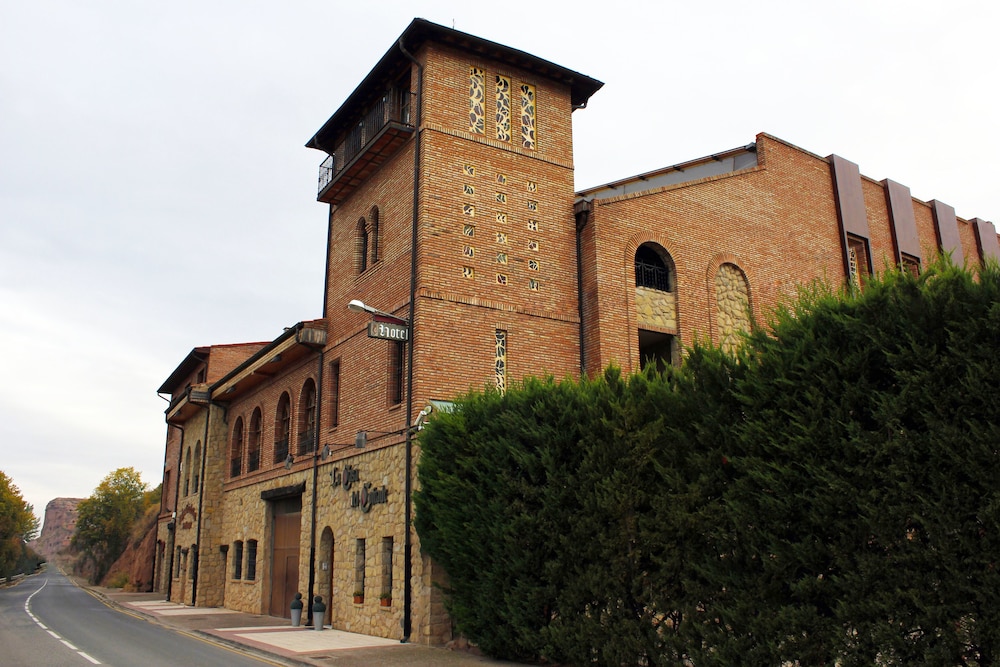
(395, 106)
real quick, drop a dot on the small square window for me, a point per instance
(469, 210)
(501, 258)
(502, 179)
(501, 218)
(532, 205)
(469, 230)
(468, 272)
(533, 264)
(532, 186)
(501, 237)
(532, 225)
(501, 198)
(501, 279)
(533, 246)
(468, 189)
(469, 170)
(469, 251)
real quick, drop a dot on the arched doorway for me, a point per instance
(326, 572)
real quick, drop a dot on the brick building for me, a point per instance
(455, 232)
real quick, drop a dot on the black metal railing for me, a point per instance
(280, 450)
(306, 440)
(655, 276)
(394, 107)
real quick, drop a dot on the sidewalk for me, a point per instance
(273, 639)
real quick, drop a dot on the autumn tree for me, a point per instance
(18, 525)
(105, 519)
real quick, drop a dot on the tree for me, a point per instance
(105, 519)
(18, 525)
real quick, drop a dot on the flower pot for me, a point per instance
(385, 602)
(359, 599)
(296, 617)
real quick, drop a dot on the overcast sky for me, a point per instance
(155, 194)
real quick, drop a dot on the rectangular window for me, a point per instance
(251, 560)
(396, 364)
(177, 564)
(359, 567)
(911, 264)
(334, 393)
(238, 559)
(386, 592)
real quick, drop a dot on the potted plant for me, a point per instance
(297, 610)
(359, 597)
(385, 599)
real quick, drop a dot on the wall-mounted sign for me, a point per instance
(365, 497)
(388, 331)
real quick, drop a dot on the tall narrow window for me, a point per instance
(282, 428)
(859, 266)
(253, 450)
(361, 251)
(396, 363)
(197, 467)
(177, 563)
(359, 567)
(501, 360)
(386, 592)
(236, 450)
(528, 116)
(251, 560)
(477, 101)
(238, 559)
(373, 234)
(187, 473)
(334, 393)
(307, 415)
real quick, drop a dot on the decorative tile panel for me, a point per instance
(469, 170)
(532, 225)
(501, 258)
(468, 272)
(469, 210)
(468, 189)
(501, 360)
(532, 186)
(501, 218)
(501, 279)
(477, 101)
(528, 116)
(503, 108)
(469, 230)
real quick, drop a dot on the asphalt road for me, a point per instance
(47, 621)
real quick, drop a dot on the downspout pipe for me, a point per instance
(582, 217)
(408, 482)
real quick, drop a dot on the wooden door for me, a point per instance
(287, 514)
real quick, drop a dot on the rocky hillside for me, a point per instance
(57, 529)
(134, 568)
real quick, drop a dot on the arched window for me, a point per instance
(373, 234)
(307, 417)
(361, 251)
(653, 270)
(656, 306)
(282, 428)
(253, 449)
(197, 467)
(236, 449)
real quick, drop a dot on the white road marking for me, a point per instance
(27, 609)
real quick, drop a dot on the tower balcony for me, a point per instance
(380, 133)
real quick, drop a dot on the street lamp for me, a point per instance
(358, 306)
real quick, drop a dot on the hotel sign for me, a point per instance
(362, 498)
(388, 331)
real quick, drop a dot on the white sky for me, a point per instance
(155, 194)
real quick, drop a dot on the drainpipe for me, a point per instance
(582, 217)
(315, 473)
(201, 505)
(408, 482)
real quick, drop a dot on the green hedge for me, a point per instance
(829, 495)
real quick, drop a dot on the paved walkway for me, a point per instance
(273, 639)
